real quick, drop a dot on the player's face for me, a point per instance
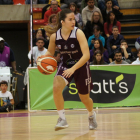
(118, 57)
(39, 34)
(112, 17)
(69, 21)
(72, 8)
(3, 87)
(109, 4)
(96, 44)
(40, 44)
(98, 57)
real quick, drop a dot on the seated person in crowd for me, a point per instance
(38, 50)
(96, 20)
(88, 10)
(98, 58)
(101, 4)
(98, 46)
(138, 59)
(84, 4)
(118, 58)
(113, 42)
(6, 98)
(78, 16)
(40, 33)
(127, 55)
(6, 56)
(137, 43)
(96, 35)
(109, 8)
(52, 26)
(111, 21)
(47, 7)
(67, 2)
(54, 9)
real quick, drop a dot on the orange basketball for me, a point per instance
(46, 64)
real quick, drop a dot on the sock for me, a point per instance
(91, 113)
(61, 114)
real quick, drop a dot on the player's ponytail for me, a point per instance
(61, 16)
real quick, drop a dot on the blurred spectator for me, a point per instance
(96, 20)
(109, 8)
(99, 46)
(47, 7)
(6, 98)
(118, 58)
(137, 43)
(113, 42)
(78, 16)
(38, 50)
(54, 9)
(57, 56)
(111, 21)
(6, 56)
(67, 2)
(87, 12)
(52, 26)
(127, 55)
(40, 33)
(84, 4)
(98, 58)
(138, 59)
(96, 35)
(101, 4)
(6, 2)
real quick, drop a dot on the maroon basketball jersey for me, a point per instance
(69, 49)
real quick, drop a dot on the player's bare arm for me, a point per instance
(52, 45)
(86, 55)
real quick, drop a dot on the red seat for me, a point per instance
(37, 10)
(19, 2)
(38, 22)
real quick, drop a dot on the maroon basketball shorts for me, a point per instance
(81, 76)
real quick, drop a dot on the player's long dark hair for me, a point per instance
(108, 19)
(62, 16)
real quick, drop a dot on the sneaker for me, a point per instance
(61, 124)
(92, 122)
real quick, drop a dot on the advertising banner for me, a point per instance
(113, 86)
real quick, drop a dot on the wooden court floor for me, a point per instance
(113, 124)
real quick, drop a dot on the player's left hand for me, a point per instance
(67, 73)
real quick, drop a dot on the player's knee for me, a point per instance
(58, 85)
(85, 100)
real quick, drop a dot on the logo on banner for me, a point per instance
(112, 87)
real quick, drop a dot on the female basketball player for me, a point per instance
(74, 51)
